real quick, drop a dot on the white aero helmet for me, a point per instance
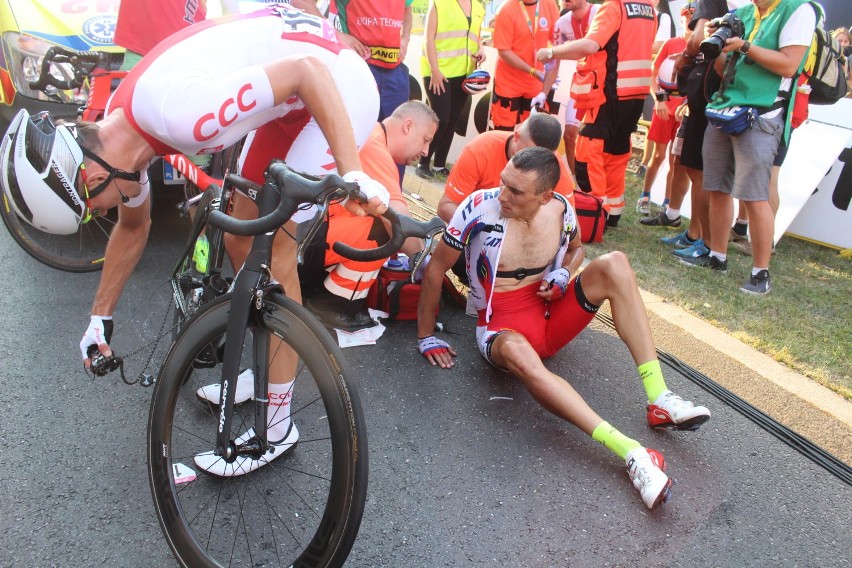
(38, 172)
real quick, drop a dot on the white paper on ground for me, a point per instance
(183, 473)
(367, 336)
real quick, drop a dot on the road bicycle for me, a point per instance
(303, 508)
(83, 251)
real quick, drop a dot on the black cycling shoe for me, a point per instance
(340, 313)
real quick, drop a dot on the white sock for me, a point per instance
(278, 414)
(672, 214)
(719, 255)
(245, 385)
(754, 271)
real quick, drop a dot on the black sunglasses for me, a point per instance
(113, 173)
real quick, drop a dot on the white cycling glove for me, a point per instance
(431, 345)
(99, 331)
(559, 278)
(538, 101)
(368, 186)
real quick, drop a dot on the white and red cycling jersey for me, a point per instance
(204, 88)
(478, 229)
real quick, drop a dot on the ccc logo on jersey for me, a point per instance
(210, 124)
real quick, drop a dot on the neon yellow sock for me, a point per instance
(615, 441)
(652, 379)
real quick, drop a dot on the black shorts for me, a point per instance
(702, 81)
(693, 140)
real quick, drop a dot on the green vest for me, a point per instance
(456, 41)
(754, 85)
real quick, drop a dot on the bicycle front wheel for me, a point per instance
(82, 251)
(301, 509)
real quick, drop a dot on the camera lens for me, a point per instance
(712, 46)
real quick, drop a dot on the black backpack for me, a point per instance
(827, 79)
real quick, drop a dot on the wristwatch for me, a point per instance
(549, 53)
(745, 47)
(661, 96)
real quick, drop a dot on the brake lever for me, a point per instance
(312, 230)
(428, 248)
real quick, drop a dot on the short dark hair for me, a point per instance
(541, 161)
(88, 136)
(544, 130)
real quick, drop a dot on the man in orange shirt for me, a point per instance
(617, 47)
(482, 160)
(333, 287)
(521, 28)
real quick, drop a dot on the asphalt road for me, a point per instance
(465, 468)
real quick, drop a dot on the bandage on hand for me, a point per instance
(368, 186)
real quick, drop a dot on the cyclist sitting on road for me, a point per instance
(199, 91)
(335, 288)
(522, 248)
(483, 159)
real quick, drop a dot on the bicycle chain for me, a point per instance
(142, 378)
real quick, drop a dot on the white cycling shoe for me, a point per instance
(646, 467)
(245, 390)
(212, 464)
(671, 411)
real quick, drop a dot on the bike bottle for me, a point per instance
(201, 254)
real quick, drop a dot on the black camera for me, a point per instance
(728, 26)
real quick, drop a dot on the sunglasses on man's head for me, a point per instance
(113, 173)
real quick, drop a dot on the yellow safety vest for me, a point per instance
(456, 41)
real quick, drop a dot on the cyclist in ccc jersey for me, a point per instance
(199, 91)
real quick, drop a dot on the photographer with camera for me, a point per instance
(698, 79)
(760, 48)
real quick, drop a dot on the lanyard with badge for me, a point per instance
(534, 24)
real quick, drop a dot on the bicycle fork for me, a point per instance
(247, 305)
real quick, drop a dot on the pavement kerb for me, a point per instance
(815, 394)
(775, 389)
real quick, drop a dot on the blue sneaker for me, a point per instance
(680, 240)
(698, 248)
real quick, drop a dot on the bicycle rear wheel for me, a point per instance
(82, 251)
(303, 508)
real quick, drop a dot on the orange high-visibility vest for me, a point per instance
(625, 61)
